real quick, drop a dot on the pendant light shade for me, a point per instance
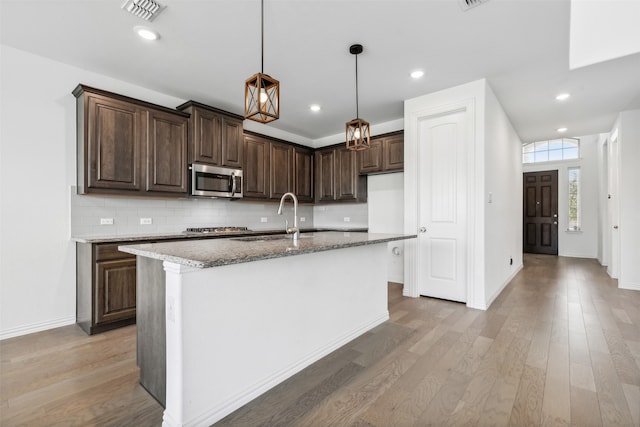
(358, 131)
(261, 98)
(262, 92)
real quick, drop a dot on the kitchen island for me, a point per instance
(230, 318)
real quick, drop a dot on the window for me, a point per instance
(574, 199)
(551, 151)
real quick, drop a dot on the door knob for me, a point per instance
(423, 229)
(555, 222)
(615, 227)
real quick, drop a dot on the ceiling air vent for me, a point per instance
(145, 9)
(468, 4)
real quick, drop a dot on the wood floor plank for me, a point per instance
(584, 408)
(556, 405)
(527, 407)
(623, 360)
(611, 398)
(632, 392)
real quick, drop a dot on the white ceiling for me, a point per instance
(208, 48)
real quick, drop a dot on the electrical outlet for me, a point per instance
(263, 219)
(303, 219)
(106, 221)
(146, 221)
(347, 219)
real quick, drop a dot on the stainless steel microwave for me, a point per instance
(215, 181)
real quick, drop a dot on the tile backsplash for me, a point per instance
(175, 215)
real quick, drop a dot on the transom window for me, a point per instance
(550, 151)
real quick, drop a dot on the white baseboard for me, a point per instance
(629, 285)
(577, 255)
(37, 327)
(220, 411)
(492, 298)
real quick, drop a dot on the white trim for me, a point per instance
(629, 285)
(37, 327)
(485, 306)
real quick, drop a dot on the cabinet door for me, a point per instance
(207, 136)
(371, 158)
(303, 175)
(115, 131)
(325, 179)
(167, 153)
(394, 153)
(256, 167)
(231, 142)
(115, 293)
(281, 168)
(346, 175)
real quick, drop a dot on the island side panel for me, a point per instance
(151, 325)
(236, 331)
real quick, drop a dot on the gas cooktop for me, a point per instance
(215, 229)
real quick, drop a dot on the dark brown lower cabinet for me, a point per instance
(106, 287)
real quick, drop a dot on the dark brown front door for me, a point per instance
(540, 212)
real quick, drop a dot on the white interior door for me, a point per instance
(442, 216)
(613, 208)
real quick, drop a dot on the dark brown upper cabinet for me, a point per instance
(126, 146)
(303, 174)
(273, 167)
(215, 136)
(386, 154)
(281, 169)
(256, 167)
(336, 176)
(167, 153)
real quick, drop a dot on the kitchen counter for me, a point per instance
(214, 253)
(212, 339)
(193, 235)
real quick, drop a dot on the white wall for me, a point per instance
(341, 215)
(37, 270)
(502, 198)
(385, 201)
(629, 139)
(583, 243)
(175, 215)
(37, 173)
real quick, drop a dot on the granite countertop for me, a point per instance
(191, 235)
(205, 253)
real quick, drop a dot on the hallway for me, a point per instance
(560, 346)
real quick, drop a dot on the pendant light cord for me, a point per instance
(357, 112)
(262, 36)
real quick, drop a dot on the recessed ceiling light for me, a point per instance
(315, 108)
(417, 74)
(146, 33)
(561, 130)
(562, 96)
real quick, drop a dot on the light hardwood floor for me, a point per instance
(560, 346)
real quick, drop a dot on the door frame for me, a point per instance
(475, 213)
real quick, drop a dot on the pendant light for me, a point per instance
(262, 92)
(358, 130)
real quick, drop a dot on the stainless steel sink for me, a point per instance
(271, 237)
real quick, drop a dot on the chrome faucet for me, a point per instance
(291, 230)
